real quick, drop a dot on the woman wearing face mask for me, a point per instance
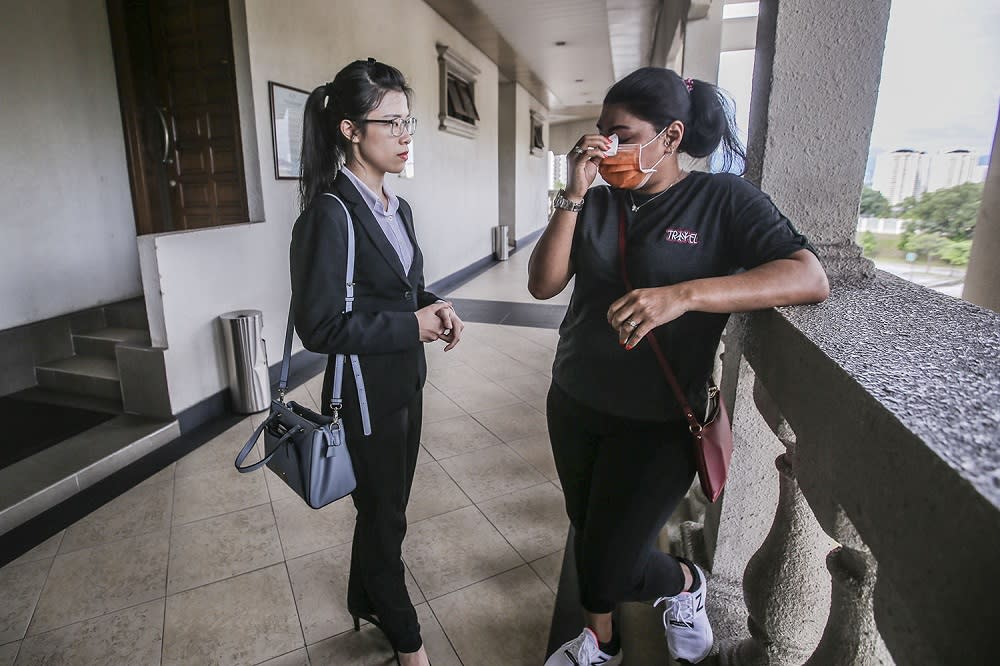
(699, 246)
(357, 128)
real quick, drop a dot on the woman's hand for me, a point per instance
(453, 326)
(429, 322)
(581, 163)
(641, 310)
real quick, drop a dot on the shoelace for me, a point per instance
(581, 651)
(677, 610)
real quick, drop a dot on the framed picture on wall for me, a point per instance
(287, 111)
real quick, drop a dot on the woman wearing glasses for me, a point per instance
(357, 129)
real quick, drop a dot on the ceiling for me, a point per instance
(567, 53)
(564, 42)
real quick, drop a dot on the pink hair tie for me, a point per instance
(689, 84)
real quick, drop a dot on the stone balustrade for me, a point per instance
(877, 537)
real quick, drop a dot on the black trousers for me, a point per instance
(621, 479)
(384, 463)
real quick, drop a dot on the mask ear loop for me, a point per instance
(652, 168)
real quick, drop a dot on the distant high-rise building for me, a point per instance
(909, 173)
(951, 169)
(900, 174)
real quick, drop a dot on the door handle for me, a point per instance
(166, 137)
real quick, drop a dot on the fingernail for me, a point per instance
(629, 347)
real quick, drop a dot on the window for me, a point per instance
(537, 134)
(458, 113)
(461, 103)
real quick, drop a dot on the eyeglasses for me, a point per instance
(396, 125)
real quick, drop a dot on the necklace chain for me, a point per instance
(636, 208)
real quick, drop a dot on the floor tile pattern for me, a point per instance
(202, 565)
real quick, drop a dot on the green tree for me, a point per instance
(869, 244)
(926, 245)
(873, 204)
(957, 253)
(950, 212)
(904, 238)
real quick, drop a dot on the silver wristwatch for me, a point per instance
(564, 203)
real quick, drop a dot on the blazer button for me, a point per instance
(407, 295)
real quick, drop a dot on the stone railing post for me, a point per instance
(785, 587)
(851, 637)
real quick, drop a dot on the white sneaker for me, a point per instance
(689, 634)
(583, 651)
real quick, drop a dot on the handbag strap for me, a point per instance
(693, 425)
(336, 401)
(245, 451)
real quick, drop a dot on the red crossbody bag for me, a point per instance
(713, 439)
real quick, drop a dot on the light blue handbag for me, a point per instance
(309, 450)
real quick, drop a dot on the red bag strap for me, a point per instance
(693, 423)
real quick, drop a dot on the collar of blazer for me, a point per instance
(345, 188)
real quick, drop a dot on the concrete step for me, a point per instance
(102, 343)
(85, 375)
(127, 314)
(38, 483)
(37, 394)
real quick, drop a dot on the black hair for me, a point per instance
(660, 96)
(353, 93)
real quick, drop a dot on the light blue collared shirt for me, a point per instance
(388, 219)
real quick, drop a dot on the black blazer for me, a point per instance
(382, 329)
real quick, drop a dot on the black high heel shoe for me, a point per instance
(371, 619)
(367, 618)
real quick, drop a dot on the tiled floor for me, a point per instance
(507, 281)
(202, 565)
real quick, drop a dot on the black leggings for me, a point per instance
(622, 479)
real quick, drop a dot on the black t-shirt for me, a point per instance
(707, 225)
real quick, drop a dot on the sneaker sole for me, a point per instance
(689, 663)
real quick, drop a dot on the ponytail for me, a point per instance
(322, 151)
(353, 93)
(659, 96)
(713, 123)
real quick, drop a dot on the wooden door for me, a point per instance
(177, 84)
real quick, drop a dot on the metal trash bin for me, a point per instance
(501, 246)
(246, 356)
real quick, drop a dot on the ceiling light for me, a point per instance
(579, 81)
(560, 43)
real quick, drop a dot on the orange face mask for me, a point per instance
(622, 168)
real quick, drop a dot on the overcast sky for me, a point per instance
(940, 76)
(940, 85)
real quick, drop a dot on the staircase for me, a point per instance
(103, 341)
(93, 370)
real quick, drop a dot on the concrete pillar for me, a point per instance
(507, 155)
(703, 44)
(982, 280)
(702, 47)
(816, 76)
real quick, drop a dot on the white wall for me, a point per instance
(454, 192)
(69, 232)
(563, 136)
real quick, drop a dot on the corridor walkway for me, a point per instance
(201, 565)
